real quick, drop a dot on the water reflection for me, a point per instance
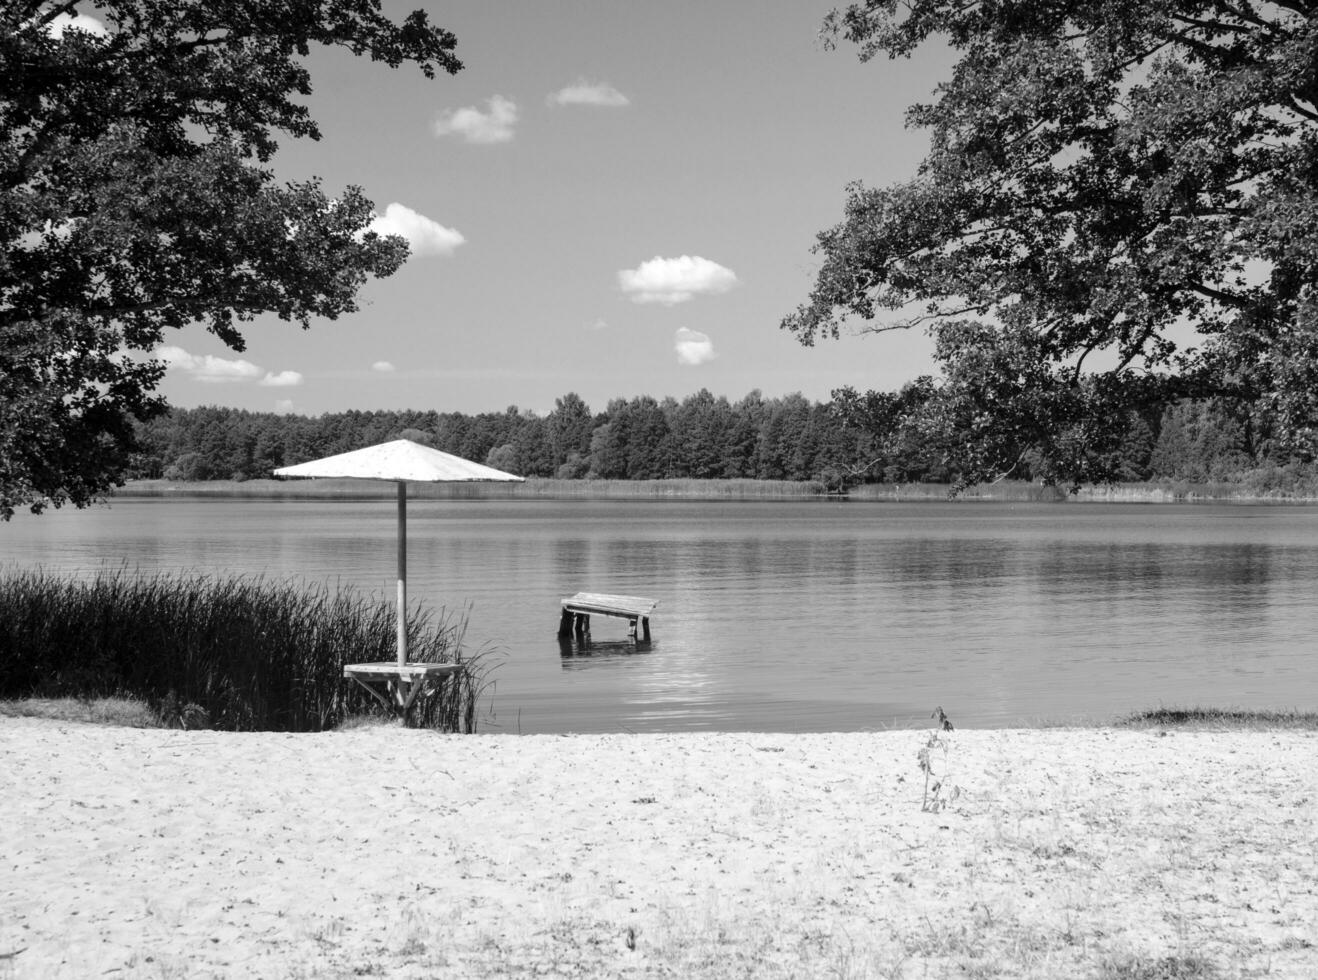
(582, 653)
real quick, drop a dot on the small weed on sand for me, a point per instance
(174, 712)
(934, 763)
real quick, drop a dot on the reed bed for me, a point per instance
(533, 487)
(1184, 492)
(681, 489)
(1014, 490)
(237, 653)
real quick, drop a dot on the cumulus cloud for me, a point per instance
(425, 236)
(495, 125)
(384, 367)
(284, 379)
(207, 367)
(693, 347)
(671, 281)
(582, 92)
(76, 22)
(221, 370)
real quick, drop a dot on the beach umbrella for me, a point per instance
(401, 461)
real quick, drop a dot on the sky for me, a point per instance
(613, 198)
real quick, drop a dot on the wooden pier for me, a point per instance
(578, 609)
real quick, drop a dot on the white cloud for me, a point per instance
(220, 370)
(670, 281)
(384, 367)
(475, 126)
(693, 347)
(76, 22)
(582, 92)
(425, 236)
(284, 379)
(207, 367)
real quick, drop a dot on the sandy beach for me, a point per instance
(400, 853)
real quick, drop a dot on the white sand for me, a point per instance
(386, 852)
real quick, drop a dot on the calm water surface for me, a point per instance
(791, 616)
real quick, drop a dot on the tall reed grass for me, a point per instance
(1012, 490)
(254, 655)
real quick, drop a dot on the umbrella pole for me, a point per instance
(402, 573)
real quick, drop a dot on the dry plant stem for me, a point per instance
(938, 794)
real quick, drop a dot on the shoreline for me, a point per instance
(536, 488)
(385, 851)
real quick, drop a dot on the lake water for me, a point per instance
(799, 616)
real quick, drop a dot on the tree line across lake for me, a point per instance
(702, 436)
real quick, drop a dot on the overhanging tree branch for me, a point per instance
(181, 227)
(1128, 182)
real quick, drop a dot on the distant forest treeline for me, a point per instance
(700, 437)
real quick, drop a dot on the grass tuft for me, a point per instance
(236, 654)
(1219, 718)
(1164, 968)
(121, 711)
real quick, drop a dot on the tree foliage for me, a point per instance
(1119, 209)
(856, 438)
(702, 436)
(135, 196)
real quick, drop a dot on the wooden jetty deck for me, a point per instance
(578, 609)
